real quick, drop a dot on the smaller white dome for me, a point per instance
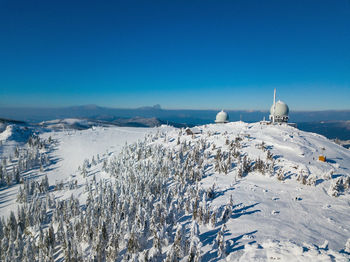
(281, 109)
(221, 117)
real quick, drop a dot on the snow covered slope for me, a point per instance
(234, 192)
(294, 200)
(12, 135)
(73, 147)
(82, 124)
(68, 151)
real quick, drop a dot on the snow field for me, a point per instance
(173, 196)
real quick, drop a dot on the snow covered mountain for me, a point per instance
(12, 135)
(231, 192)
(81, 124)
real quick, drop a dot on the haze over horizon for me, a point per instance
(181, 54)
(154, 107)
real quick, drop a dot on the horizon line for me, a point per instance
(161, 108)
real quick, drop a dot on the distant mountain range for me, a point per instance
(331, 123)
(182, 116)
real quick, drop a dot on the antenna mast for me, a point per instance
(274, 105)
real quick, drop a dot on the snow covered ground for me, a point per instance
(74, 146)
(291, 208)
(267, 209)
(70, 149)
(11, 136)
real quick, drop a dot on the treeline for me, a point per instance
(132, 217)
(32, 155)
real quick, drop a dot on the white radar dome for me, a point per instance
(281, 109)
(221, 117)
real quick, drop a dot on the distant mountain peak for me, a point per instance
(155, 107)
(90, 106)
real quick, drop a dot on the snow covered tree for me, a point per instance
(227, 211)
(180, 245)
(194, 241)
(156, 250)
(171, 255)
(213, 219)
(220, 242)
(29, 251)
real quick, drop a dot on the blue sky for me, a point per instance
(180, 54)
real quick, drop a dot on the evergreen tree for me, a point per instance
(171, 255)
(180, 242)
(220, 242)
(19, 244)
(156, 250)
(194, 241)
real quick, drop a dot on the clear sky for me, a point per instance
(180, 54)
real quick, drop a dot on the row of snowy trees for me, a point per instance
(134, 216)
(32, 188)
(31, 155)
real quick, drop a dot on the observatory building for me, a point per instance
(278, 111)
(221, 117)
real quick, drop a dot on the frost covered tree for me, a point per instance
(156, 250)
(220, 242)
(180, 245)
(227, 211)
(194, 242)
(213, 219)
(123, 217)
